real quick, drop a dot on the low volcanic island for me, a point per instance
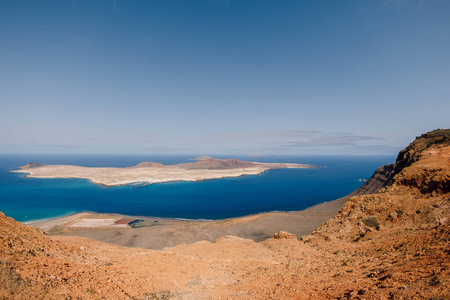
(152, 172)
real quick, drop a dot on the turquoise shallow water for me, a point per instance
(276, 190)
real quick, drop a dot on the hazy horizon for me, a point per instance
(222, 77)
(193, 156)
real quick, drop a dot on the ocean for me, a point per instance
(27, 199)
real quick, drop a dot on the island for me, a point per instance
(152, 172)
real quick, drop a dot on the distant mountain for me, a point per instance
(148, 164)
(218, 164)
(31, 165)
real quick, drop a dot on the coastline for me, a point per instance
(170, 232)
(60, 218)
(139, 184)
(31, 222)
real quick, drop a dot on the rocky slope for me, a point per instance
(392, 244)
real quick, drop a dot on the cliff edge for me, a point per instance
(422, 148)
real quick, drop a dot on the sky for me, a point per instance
(253, 77)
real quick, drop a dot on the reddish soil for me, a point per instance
(123, 221)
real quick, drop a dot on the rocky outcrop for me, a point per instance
(284, 235)
(412, 153)
(425, 163)
(426, 179)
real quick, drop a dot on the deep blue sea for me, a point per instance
(27, 199)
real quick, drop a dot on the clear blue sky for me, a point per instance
(222, 76)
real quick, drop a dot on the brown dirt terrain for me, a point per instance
(393, 244)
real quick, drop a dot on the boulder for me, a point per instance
(284, 235)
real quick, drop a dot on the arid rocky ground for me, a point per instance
(391, 244)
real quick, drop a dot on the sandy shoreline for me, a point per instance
(171, 232)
